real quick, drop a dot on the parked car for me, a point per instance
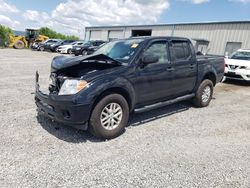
(54, 47)
(238, 65)
(67, 49)
(87, 48)
(35, 45)
(44, 45)
(99, 92)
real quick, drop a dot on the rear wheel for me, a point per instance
(19, 44)
(109, 117)
(204, 94)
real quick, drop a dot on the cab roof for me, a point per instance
(160, 37)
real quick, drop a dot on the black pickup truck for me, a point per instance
(98, 92)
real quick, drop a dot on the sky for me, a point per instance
(72, 16)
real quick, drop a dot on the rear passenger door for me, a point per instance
(185, 66)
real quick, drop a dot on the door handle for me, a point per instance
(170, 69)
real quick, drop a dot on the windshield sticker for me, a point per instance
(134, 45)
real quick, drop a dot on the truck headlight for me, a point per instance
(71, 87)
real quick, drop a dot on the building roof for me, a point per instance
(173, 24)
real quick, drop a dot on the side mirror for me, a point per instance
(149, 59)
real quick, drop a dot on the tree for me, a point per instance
(5, 32)
(52, 34)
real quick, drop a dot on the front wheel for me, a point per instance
(84, 52)
(42, 49)
(109, 117)
(69, 51)
(19, 44)
(204, 94)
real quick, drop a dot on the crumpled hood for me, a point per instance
(62, 62)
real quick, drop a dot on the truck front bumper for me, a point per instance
(62, 109)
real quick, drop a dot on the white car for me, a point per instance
(67, 49)
(237, 66)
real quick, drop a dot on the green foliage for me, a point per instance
(5, 32)
(52, 34)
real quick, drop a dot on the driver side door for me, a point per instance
(154, 80)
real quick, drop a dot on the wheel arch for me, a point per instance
(115, 90)
(210, 76)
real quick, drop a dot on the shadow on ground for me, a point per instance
(236, 82)
(72, 135)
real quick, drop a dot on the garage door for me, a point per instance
(115, 34)
(232, 47)
(95, 35)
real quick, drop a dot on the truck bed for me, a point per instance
(213, 63)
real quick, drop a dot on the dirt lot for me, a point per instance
(176, 146)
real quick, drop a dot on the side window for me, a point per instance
(180, 50)
(160, 50)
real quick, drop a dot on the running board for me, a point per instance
(161, 104)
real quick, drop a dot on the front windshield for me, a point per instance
(241, 55)
(121, 50)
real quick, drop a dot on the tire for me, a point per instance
(41, 49)
(84, 52)
(19, 44)
(113, 124)
(204, 94)
(69, 51)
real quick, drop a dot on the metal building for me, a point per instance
(221, 38)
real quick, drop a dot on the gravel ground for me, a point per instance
(175, 146)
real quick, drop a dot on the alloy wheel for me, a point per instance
(111, 116)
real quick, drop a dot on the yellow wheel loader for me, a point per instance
(20, 42)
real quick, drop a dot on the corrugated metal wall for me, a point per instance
(218, 34)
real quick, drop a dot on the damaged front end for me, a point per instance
(64, 109)
(69, 77)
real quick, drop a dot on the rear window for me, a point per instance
(180, 50)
